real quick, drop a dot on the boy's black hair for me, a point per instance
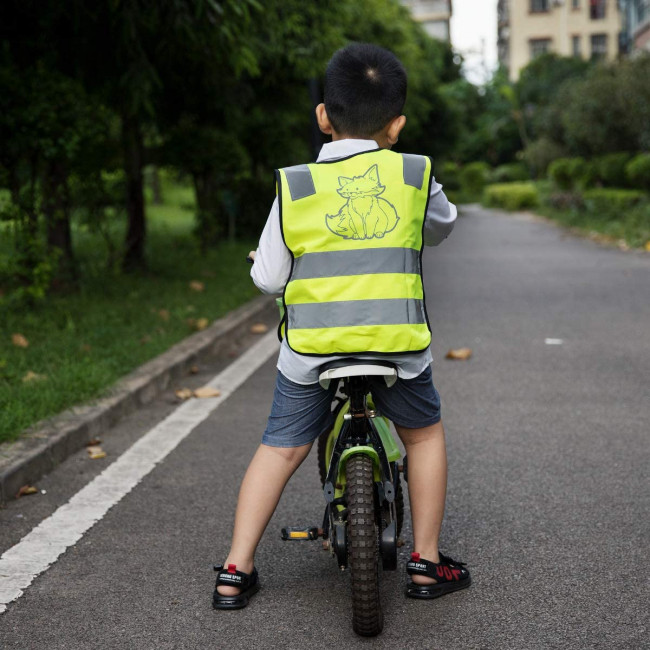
(365, 88)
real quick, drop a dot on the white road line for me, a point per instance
(42, 546)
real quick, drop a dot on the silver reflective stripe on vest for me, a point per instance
(354, 313)
(301, 184)
(356, 262)
(414, 167)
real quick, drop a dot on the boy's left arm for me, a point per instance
(440, 217)
(272, 265)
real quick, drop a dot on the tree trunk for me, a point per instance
(133, 162)
(155, 185)
(56, 210)
(210, 212)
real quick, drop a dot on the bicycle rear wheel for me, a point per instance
(363, 551)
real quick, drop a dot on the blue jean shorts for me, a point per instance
(300, 413)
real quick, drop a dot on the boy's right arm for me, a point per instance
(272, 266)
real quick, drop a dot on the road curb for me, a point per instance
(51, 441)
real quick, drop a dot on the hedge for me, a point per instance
(609, 202)
(511, 196)
(510, 173)
(567, 173)
(637, 172)
(474, 177)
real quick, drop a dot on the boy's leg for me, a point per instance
(427, 487)
(259, 494)
(298, 415)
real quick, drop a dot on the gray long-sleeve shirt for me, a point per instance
(272, 267)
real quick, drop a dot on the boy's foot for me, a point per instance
(247, 583)
(448, 574)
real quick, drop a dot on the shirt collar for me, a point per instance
(343, 148)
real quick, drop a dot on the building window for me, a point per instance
(597, 9)
(598, 46)
(575, 4)
(539, 6)
(539, 46)
(575, 46)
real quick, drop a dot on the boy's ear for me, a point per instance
(322, 119)
(394, 128)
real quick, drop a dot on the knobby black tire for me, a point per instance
(363, 551)
(323, 462)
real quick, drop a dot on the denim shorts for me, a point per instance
(300, 413)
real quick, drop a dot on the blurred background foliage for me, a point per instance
(96, 99)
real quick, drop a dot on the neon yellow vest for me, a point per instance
(354, 229)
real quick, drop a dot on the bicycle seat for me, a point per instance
(357, 368)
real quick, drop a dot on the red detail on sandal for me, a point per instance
(440, 572)
(448, 573)
(456, 573)
(232, 568)
(415, 557)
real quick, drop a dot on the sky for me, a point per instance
(474, 35)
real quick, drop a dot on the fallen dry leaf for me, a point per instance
(202, 323)
(194, 370)
(93, 442)
(197, 285)
(19, 341)
(164, 314)
(86, 348)
(207, 391)
(145, 339)
(31, 376)
(26, 489)
(95, 452)
(259, 328)
(183, 393)
(459, 354)
(647, 246)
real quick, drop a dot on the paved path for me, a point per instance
(548, 491)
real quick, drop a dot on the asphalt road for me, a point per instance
(548, 490)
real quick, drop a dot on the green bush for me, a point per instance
(510, 173)
(637, 171)
(567, 173)
(511, 196)
(611, 203)
(474, 177)
(541, 153)
(610, 169)
(449, 175)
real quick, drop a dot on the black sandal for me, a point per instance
(450, 576)
(249, 584)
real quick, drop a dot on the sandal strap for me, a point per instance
(233, 578)
(447, 570)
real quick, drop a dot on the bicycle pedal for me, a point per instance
(300, 534)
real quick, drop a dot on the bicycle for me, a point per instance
(359, 468)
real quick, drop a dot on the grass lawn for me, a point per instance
(79, 344)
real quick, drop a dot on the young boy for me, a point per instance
(343, 240)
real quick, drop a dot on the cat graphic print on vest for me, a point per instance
(365, 214)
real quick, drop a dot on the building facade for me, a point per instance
(584, 28)
(637, 25)
(435, 16)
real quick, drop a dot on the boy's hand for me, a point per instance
(250, 258)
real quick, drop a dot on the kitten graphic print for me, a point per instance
(365, 214)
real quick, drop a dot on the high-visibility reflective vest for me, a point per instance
(354, 229)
